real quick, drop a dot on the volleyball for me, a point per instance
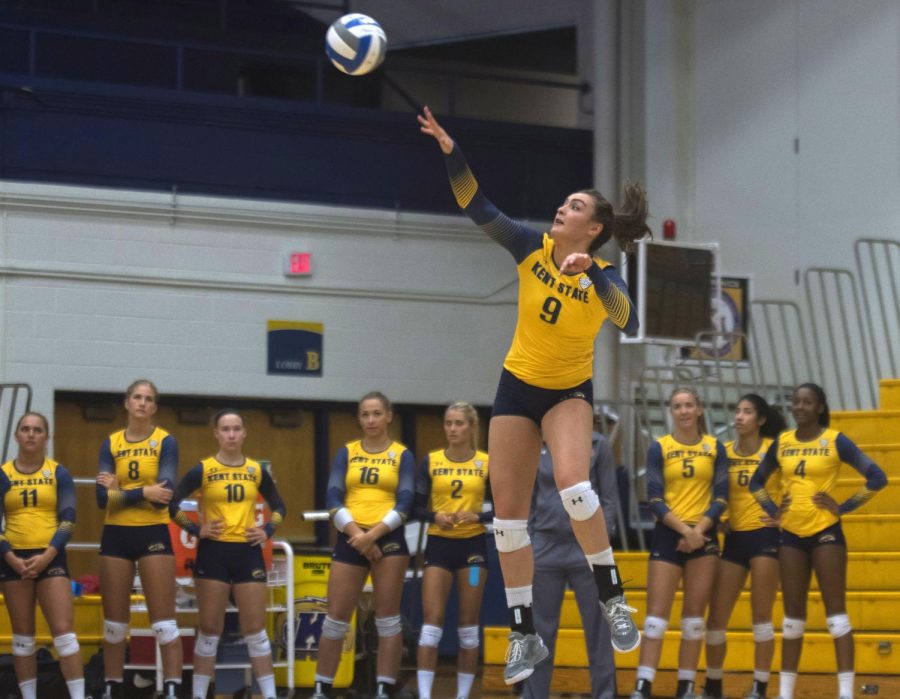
(356, 44)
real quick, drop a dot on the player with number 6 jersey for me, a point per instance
(751, 547)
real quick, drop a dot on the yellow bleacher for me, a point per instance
(873, 575)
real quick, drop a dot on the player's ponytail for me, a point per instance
(774, 421)
(628, 224)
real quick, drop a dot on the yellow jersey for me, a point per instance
(810, 467)
(744, 513)
(444, 485)
(136, 465)
(559, 315)
(370, 484)
(228, 494)
(689, 480)
(39, 507)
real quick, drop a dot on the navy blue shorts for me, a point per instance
(119, 541)
(391, 544)
(740, 547)
(454, 554)
(665, 547)
(57, 568)
(515, 397)
(231, 562)
(830, 536)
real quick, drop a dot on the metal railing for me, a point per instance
(15, 399)
(779, 348)
(840, 342)
(878, 269)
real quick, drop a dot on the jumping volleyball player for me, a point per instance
(545, 392)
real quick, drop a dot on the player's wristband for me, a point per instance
(342, 518)
(392, 520)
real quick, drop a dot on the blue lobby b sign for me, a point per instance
(295, 348)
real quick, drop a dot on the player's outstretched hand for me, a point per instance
(429, 125)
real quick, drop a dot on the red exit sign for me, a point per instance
(298, 264)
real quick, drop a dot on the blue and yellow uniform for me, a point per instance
(747, 535)
(369, 487)
(552, 352)
(39, 511)
(689, 480)
(228, 494)
(134, 526)
(807, 468)
(445, 485)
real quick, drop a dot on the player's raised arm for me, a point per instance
(514, 236)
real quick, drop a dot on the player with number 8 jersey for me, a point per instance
(138, 468)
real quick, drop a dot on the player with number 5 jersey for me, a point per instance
(138, 468)
(687, 488)
(566, 292)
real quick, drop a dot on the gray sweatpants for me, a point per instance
(555, 564)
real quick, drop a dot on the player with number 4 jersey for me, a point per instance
(809, 460)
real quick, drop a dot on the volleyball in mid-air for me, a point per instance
(356, 44)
